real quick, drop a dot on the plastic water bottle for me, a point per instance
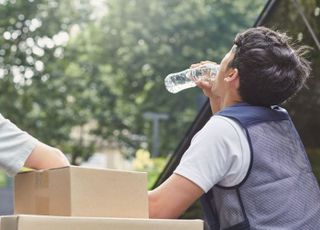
(175, 82)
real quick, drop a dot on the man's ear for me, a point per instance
(233, 75)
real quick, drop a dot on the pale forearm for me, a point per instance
(173, 197)
(158, 209)
(154, 209)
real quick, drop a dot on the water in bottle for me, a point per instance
(175, 82)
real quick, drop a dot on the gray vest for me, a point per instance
(280, 191)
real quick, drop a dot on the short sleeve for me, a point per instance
(218, 154)
(15, 146)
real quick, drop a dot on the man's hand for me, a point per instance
(206, 87)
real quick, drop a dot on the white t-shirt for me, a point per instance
(218, 154)
(15, 146)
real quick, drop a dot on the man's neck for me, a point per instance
(230, 100)
(218, 103)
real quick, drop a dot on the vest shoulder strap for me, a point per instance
(249, 115)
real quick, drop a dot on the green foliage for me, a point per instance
(110, 69)
(314, 157)
(153, 167)
(32, 81)
(159, 164)
(134, 47)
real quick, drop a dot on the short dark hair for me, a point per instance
(270, 69)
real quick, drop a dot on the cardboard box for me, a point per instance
(24, 222)
(78, 191)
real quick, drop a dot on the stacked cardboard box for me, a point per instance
(22, 222)
(76, 191)
(84, 198)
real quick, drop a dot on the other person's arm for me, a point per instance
(18, 149)
(44, 157)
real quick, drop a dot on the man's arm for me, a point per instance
(173, 197)
(44, 156)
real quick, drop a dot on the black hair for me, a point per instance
(270, 69)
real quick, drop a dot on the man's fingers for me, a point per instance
(207, 62)
(195, 65)
(203, 84)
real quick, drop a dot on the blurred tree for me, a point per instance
(137, 43)
(69, 63)
(34, 34)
